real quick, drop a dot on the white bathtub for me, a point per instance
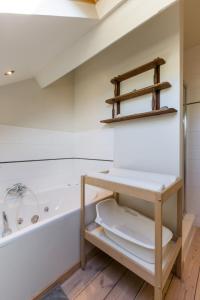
(35, 255)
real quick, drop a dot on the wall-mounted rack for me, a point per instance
(153, 89)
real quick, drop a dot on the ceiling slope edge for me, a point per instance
(107, 32)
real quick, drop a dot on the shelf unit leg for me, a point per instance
(82, 225)
(116, 197)
(157, 293)
(158, 250)
(179, 231)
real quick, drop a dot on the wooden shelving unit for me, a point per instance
(153, 89)
(155, 274)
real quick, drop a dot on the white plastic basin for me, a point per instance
(130, 229)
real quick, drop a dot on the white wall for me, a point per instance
(160, 37)
(192, 80)
(152, 144)
(22, 151)
(128, 17)
(37, 124)
(19, 143)
(25, 104)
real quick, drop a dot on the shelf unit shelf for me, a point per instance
(146, 67)
(140, 115)
(154, 89)
(155, 274)
(143, 269)
(137, 93)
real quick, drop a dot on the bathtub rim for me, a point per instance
(5, 241)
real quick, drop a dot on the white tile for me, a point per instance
(18, 143)
(94, 144)
(143, 145)
(193, 120)
(82, 167)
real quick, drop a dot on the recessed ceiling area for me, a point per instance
(29, 42)
(35, 32)
(191, 23)
(46, 39)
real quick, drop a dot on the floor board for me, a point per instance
(107, 279)
(80, 279)
(187, 288)
(99, 288)
(146, 292)
(127, 287)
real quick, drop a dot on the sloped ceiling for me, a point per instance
(34, 32)
(28, 43)
(46, 39)
(191, 23)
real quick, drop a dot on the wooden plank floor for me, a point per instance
(107, 279)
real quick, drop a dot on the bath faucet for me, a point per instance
(18, 189)
(6, 229)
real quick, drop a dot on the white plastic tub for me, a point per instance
(129, 229)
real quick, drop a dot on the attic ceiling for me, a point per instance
(36, 31)
(45, 39)
(28, 43)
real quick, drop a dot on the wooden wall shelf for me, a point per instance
(140, 115)
(153, 89)
(136, 93)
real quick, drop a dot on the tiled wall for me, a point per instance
(192, 80)
(94, 144)
(18, 143)
(21, 144)
(193, 161)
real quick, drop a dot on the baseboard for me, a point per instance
(65, 276)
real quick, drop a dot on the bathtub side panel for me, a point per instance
(32, 262)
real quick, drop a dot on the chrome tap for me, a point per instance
(18, 190)
(6, 229)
